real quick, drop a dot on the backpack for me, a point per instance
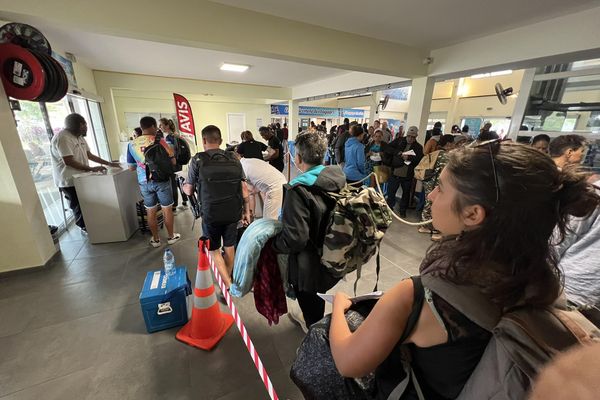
(357, 223)
(183, 154)
(523, 340)
(425, 170)
(219, 185)
(159, 167)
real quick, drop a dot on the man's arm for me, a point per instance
(273, 154)
(247, 217)
(70, 161)
(102, 161)
(190, 184)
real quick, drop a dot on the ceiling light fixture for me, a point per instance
(234, 67)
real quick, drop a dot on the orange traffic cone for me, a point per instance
(208, 324)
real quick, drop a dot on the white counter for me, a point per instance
(107, 202)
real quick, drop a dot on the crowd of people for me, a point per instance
(509, 219)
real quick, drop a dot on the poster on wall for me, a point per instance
(185, 118)
(67, 66)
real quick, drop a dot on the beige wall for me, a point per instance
(154, 94)
(205, 112)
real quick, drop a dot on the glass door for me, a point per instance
(35, 139)
(99, 132)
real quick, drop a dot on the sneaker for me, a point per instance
(174, 210)
(423, 229)
(155, 243)
(174, 239)
(295, 315)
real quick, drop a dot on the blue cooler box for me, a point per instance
(165, 301)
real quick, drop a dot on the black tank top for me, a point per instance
(441, 370)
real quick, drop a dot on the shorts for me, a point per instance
(217, 232)
(154, 193)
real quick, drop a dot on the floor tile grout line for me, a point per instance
(393, 263)
(44, 382)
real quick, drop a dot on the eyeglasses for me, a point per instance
(490, 144)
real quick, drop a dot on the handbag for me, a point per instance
(426, 168)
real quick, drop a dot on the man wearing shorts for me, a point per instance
(218, 178)
(153, 192)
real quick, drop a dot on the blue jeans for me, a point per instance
(157, 192)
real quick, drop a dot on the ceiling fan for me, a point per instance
(383, 103)
(503, 93)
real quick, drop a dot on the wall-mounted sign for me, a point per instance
(322, 112)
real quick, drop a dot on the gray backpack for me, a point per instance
(523, 341)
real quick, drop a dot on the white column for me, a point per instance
(521, 103)
(452, 117)
(293, 118)
(419, 105)
(25, 239)
(373, 102)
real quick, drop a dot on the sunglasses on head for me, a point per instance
(493, 145)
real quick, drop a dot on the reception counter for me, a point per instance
(107, 202)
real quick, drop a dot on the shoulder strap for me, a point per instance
(468, 300)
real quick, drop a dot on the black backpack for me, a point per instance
(219, 185)
(183, 154)
(159, 167)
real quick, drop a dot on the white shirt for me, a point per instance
(66, 144)
(262, 175)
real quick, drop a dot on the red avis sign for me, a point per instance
(184, 115)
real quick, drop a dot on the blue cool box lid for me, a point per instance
(157, 287)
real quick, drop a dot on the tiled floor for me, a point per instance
(74, 330)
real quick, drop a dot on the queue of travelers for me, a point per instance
(511, 223)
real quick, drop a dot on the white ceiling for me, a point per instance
(117, 54)
(428, 24)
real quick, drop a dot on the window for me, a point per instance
(35, 139)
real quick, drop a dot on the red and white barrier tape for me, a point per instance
(262, 371)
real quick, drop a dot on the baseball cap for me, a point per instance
(412, 131)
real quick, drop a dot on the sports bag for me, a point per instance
(523, 340)
(356, 226)
(219, 185)
(426, 168)
(159, 167)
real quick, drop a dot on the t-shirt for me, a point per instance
(66, 144)
(275, 144)
(135, 154)
(262, 175)
(251, 149)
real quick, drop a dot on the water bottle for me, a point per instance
(169, 263)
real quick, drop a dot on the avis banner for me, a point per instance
(185, 117)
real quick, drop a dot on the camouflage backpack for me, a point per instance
(356, 226)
